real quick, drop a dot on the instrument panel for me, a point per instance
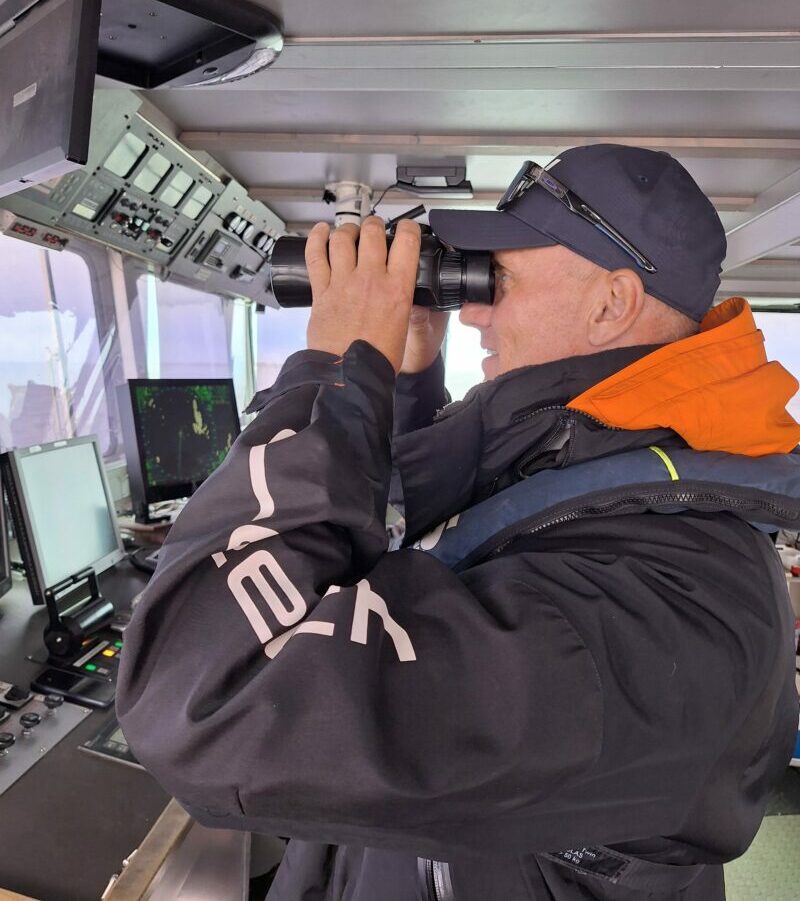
(144, 194)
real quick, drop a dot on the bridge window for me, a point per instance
(51, 360)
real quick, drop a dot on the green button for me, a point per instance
(117, 644)
(91, 667)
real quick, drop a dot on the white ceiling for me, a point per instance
(362, 86)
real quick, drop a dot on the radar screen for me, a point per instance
(184, 429)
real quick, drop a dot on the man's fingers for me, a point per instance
(372, 245)
(419, 319)
(319, 272)
(342, 249)
(404, 253)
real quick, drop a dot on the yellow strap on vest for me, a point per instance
(673, 473)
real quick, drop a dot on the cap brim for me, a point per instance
(485, 230)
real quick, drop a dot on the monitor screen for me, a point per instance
(182, 431)
(66, 509)
(5, 563)
(48, 59)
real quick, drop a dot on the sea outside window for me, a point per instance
(51, 360)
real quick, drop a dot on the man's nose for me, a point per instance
(478, 315)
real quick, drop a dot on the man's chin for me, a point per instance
(491, 367)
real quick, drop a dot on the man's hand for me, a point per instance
(358, 293)
(426, 330)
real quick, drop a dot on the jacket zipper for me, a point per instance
(601, 509)
(568, 410)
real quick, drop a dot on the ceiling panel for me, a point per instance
(378, 75)
(761, 114)
(346, 17)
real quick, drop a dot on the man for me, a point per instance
(587, 698)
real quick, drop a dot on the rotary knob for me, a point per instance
(29, 721)
(7, 739)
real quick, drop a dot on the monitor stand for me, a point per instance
(142, 514)
(65, 634)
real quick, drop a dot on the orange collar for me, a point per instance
(716, 389)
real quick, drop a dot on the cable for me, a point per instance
(375, 206)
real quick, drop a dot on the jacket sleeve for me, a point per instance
(419, 397)
(283, 673)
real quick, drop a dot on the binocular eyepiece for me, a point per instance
(446, 278)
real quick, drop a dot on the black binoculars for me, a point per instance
(446, 278)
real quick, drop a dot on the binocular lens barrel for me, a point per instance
(446, 278)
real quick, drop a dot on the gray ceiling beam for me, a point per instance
(485, 144)
(747, 287)
(543, 37)
(512, 53)
(426, 80)
(271, 194)
(768, 231)
(785, 188)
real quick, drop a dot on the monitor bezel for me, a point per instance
(23, 522)
(137, 475)
(5, 550)
(35, 23)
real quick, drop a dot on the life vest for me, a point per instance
(764, 491)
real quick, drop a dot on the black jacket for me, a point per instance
(624, 682)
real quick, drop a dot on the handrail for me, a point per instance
(143, 865)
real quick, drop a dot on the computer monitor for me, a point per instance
(48, 60)
(62, 511)
(5, 562)
(176, 433)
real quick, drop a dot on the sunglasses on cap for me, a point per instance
(531, 174)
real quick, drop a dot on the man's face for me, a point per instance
(536, 317)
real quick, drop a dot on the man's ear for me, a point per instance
(615, 309)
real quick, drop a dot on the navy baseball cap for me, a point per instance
(644, 196)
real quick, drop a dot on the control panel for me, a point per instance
(144, 194)
(30, 726)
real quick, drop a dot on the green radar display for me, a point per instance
(185, 430)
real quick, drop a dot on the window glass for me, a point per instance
(185, 329)
(462, 358)
(51, 365)
(241, 325)
(280, 333)
(84, 357)
(782, 341)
